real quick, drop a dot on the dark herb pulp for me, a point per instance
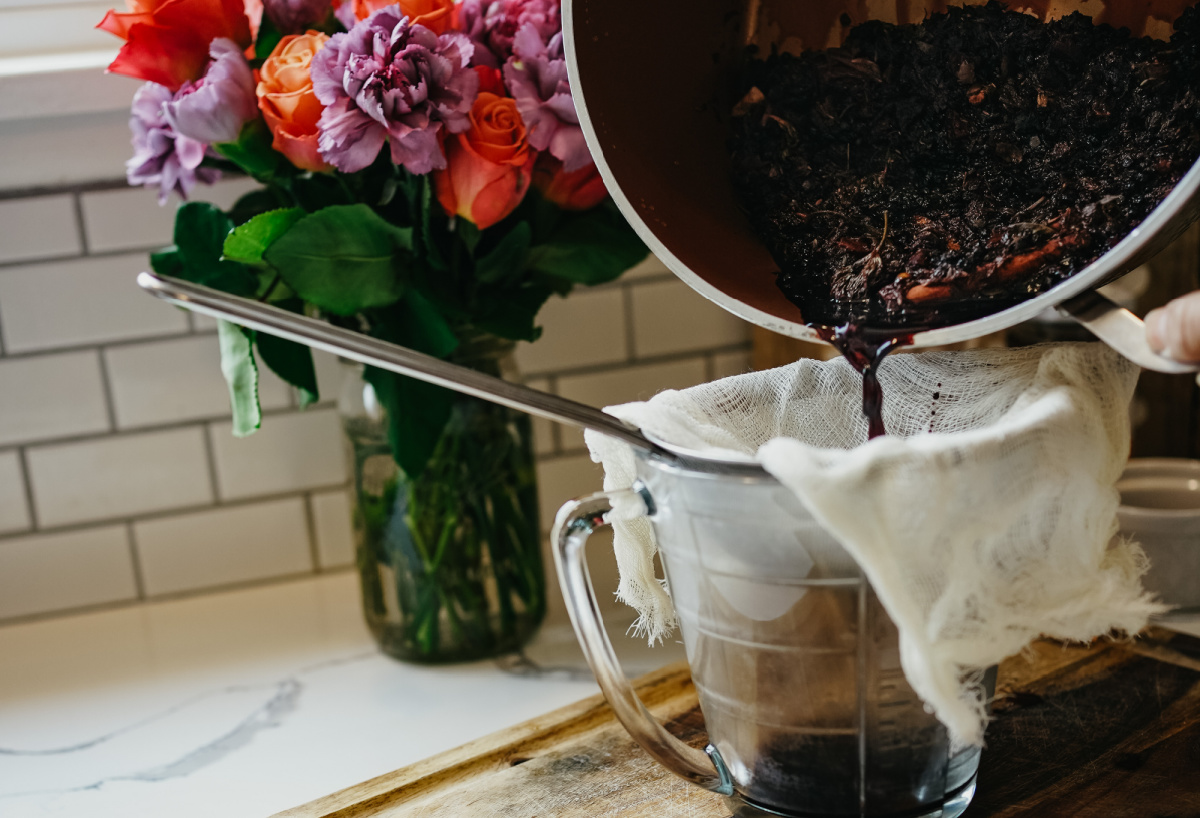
(929, 174)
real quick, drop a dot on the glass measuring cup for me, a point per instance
(795, 662)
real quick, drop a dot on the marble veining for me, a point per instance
(246, 703)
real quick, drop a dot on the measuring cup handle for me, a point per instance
(576, 521)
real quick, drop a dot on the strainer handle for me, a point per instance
(576, 522)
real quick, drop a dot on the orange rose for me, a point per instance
(578, 190)
(435, 15)
(285, 95)
(489, 166)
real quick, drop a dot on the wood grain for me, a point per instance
(1103, 731)
(574, 762)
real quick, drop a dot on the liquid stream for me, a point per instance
(865, 349)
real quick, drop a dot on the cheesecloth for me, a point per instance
(984, 518)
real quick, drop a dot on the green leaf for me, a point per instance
(200, 231)
(429, 246)
(343, 259)
(507, 259)
(268, 37)
(591, 248)
(469, 233)
(318, 190)
(514, 311)
(241, 374)
(167, 262)
(293, 362)
(417, 415)
(252, 152)
(248, 242)
(417, 411)
(255, 202)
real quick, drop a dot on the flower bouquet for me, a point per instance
(425, 181)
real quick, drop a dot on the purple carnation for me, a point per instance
(162, 157)
(493, 25)
(387, 79)
(536, 76)
(294, 16)
(215, 107)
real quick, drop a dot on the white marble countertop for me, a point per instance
(244, 703)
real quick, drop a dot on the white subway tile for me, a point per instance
(290, 452)
(38, 227)
(727, 364)
(223, 546)
(629, 383)
(119, 476)
(52, 572)
(129, 218)
(649, 267)
(330, 375)
(202, 323)
(178, 379)
(543, 430)
(47, 396)
(668, 316)
(334, 528)
(86, 301)
(14, 511)
(64, 149)
(563, 479)
(586, 328)
(225, 193)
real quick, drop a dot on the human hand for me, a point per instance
(1174, 330)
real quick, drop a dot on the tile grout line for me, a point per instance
(555, 428)
(27, 484)
(84, 244)
(155, 428)
(106, 387)
(649, 360)
(114, 343)
(310, 521)
(210, 456)
(630, 332)
(39, 191)
(139, 580)
(140, 251)
(115, 605)
(174, 511)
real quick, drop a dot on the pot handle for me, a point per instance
(1121, 330)
(576, 522)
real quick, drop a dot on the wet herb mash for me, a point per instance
(927, 174)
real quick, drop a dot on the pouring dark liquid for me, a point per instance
(928, 175)
(865, 349)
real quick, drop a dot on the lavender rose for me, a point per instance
(294, 16)
(536, 76)
(493, 24)
(215, 107)
(389, 80)
(161, 156)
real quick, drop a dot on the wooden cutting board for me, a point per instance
(1107, 731)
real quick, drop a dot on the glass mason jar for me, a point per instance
(450, 562)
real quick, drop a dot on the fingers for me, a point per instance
(1174, 330)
